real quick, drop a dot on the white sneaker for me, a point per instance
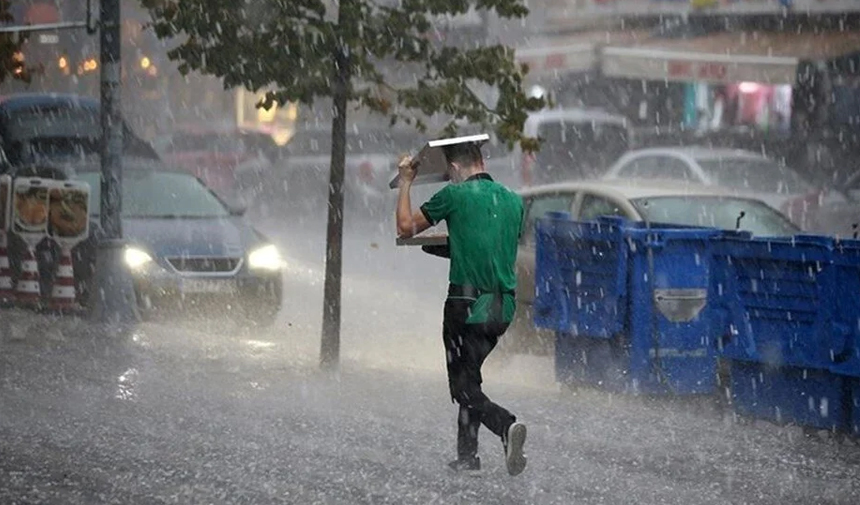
(515, 458)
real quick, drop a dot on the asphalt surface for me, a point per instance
(205, 412)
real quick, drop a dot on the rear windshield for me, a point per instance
(153, 194)
(754, 174)
(716, 212)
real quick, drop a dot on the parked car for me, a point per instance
(576, 144)
(742, 171)
(658, 201)
(840, 217)
(228, 160)
(371, 155)
(44, 127)
(189, 250)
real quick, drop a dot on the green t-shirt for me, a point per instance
(484, 221)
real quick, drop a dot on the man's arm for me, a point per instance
(409, 223)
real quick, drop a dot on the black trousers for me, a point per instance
(466, 348)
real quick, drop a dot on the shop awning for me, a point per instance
(726, 57)
(572, 54)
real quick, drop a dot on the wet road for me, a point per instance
(203, 412)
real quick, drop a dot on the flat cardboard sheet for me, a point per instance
(432, 166)
(433, 239)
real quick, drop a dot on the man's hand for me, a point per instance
(407, 169)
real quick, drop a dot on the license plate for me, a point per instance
(219, 286)
(49, 38)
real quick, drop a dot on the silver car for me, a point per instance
(659, 201)
(743, 172)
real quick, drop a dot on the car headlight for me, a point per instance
(136, 258)
(265, 258)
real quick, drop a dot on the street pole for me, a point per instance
(113, 299)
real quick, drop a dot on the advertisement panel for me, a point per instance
(5, 199)
(68, 212)
(30, 209)
(567, 14)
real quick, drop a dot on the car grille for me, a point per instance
(204, 265)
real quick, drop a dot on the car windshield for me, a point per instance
(754, 174)
(159, 195)
(717, 212)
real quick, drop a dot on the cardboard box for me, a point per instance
(432, 166)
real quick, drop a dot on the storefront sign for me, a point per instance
(637, 7)
(647, 64)
(696, 71)
(558, 60)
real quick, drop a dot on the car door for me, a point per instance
(535, 207)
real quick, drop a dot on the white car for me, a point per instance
(371, 157)
(841, 218)
(660, 201)
(742, 171)
(577, 144)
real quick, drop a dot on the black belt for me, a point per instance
(473, 292)
(495, 309)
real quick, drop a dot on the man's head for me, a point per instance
(464, 161)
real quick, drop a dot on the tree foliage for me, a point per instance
(291, 47)
(11, 64)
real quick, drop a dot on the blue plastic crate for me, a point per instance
(724, 297)
(551, 272)
(775, 299)
(580, 277)
(672, 347)
(789, 395)
(642, 289)
(598, 362)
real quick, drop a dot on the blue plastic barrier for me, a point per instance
(790, 395)
(774, 300)
(846, 322)
(854, 405)
(580, 277)
(628, 301)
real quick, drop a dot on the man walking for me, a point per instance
(484, 222)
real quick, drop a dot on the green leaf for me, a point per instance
(393, 65)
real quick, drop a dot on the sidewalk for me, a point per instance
(188, 414)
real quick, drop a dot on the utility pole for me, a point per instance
(113, 300)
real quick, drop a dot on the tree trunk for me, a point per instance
(330, 345)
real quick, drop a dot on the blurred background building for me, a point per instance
(779, 68)
(156, 97)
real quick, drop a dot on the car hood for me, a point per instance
(218, 237)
